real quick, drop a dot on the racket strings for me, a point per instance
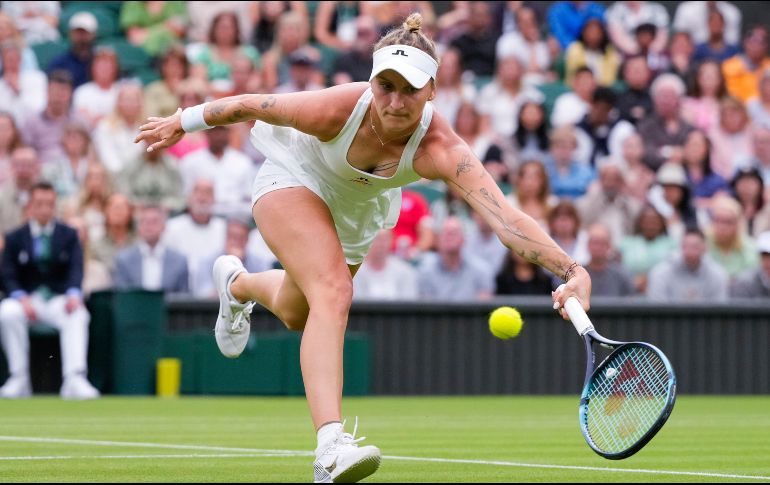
(626, 398)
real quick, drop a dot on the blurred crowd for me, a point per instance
(637, 136)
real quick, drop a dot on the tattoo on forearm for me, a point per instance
(464, 166)
(489, 198)
(269, 102)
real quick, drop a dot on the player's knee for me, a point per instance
(11, 312)
(294, 320)
(333, 296)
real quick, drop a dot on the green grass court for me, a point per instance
(441, 439)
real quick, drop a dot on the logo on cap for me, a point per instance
(400, 52)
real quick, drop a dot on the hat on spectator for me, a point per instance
(672, 174)
(301, 57)
(763, 243)
(85, 21)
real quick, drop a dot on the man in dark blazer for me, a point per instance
(42, 271)
(149, 264)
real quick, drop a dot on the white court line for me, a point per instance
(141, 457)
(290, 453)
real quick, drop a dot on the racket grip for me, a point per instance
(578, 316)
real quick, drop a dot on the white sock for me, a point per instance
(328, 433)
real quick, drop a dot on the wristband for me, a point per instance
(192, 119)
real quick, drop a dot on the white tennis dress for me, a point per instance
(360, 203)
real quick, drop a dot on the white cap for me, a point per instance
(763, 243)
(85, 21)
(417, 66)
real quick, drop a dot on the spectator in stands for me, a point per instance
(520, 277)
(96, 275)
(484, 143)
(265, 17)
(43, 131)
(728, 241)
(22, 91)
(293, 32)
(482, 244)
(214, 61)
(9, 32)
(452, 23)
(500, 99)
(448, 275)
(659, 61)
(673, 199)
(245, 78)
(477, 43)
(635, 103)
(227, 168)
(755, 282)
(567, 176)
(236, 244)
(693, 17)
(97, 98)
(566, 19)
(759, 107)
(680, 54)
(92, 200)
(42, 271)
(10, 139)
(77, 60)
(118, 229)
(451, 90)
(701, 106)
(601, 131)
(191, 92)
(114, 135)
(572, 106)
(533, 193)
(413, 233)
(623, 18)
(608, 278)
(649, 245)
(760, 158)
(526, 44)
(197, 233)
(335, 23)
(664, 131)
(303, 72)
(15, 194)
(384, 276)
(593, 50)
(161, 97)
(635, 170)
(150, 264)
(748, 189)
(690, 276)
(530, 140)
(154, 26)
(742, 72)
(716, 47)
(38, 21)
(696, 158)
(355, 64)
(609, 203)
(731, 137)
(153, 178)
(565, 228)
(200, 16)
(68, 174)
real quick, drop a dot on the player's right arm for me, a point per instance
(318, 113)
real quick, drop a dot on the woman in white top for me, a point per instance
(336, 160)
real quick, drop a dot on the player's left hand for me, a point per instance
(578, 286)
(161, 132)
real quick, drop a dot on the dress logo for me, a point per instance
(361, 181)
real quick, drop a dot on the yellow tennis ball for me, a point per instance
(505, 322)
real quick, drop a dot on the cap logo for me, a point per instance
(401, 53)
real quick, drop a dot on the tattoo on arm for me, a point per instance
(464, 166)
(269, 102)
(489, 198)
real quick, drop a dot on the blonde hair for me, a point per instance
(727, 204)
(410, 33)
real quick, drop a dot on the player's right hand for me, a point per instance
(161, 132)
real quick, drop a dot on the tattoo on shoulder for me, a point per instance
(464, 166)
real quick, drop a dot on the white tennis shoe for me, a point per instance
(18, 387)
(234, 320)
(77, 388)
(344, 462)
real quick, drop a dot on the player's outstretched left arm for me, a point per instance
(463, 172)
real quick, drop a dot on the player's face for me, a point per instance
(399, 105)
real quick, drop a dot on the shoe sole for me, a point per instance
(359, 471)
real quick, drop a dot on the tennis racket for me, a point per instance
(628, 397)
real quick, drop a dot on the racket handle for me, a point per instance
(578, 316)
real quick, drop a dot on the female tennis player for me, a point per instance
(336, 160)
